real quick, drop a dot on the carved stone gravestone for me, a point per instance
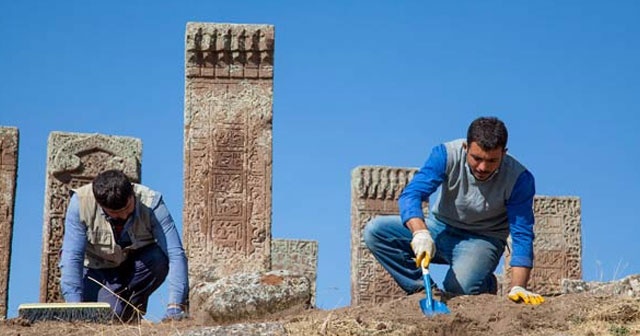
(300, 256)
(374, 191)
(73, 160)
(557, 247)
(228, 155)
(8, 170)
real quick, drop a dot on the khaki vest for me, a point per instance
(102, 250)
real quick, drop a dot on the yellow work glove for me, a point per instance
(519, 294)
(423, 247)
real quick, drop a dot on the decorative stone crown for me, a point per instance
(229, 50)
(380, 182)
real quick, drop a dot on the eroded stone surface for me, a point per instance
(558, 244)
(374, 191)
(222, 50)
(249, 295)
(8, 174)
(240, 329)
(228, 151)
(73, 160)
(628, 286)
(300, 256)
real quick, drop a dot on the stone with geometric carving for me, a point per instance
(374, 191)
(228, 148)
(8, 174)
(73, 160)
(557, 246)
(300, 256)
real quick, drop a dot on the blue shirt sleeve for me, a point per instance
(423, 184)
(168, 238)
(74, 243)
(521, 220)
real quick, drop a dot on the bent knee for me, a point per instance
(381, 228)
(374, 229)
(154, 260)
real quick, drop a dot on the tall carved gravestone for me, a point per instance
(8, 170)
(228, 155)
(73, 160)
(557, 247)
(374, 191)
(300, 256)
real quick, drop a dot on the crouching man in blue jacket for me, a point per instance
(120, 244)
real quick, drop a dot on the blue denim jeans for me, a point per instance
(472, 258)
(134, 281)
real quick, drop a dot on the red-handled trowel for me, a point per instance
(428, 305)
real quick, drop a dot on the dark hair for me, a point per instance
(488, 132)
(112, 189)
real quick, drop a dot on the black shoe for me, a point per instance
(435, 291)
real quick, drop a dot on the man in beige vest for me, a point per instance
(120, 244)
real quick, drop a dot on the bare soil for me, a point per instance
(571, 314)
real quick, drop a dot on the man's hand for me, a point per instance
(175, 313)
(519, 294)
(423, 247)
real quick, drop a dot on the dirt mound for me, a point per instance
(579, 314)
(571, 314)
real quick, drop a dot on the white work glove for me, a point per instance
(519, 294)
(423, 247)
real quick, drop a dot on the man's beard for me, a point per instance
(118, 221)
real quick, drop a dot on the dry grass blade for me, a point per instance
(139, 313)
(325, 324)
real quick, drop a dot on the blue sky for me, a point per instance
(356, 83)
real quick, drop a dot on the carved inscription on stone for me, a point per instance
(374, 191)
(557, 246)
(73, 160)
(300, 256)
(228, 151)
(8, 170)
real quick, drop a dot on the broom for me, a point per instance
(99, 312)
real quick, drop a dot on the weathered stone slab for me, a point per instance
(241, 329)
(300, 256)
(8, 174)
(245, 296)
(557, 247)
(628, 286)
(73, 160)
(228, 148)
(374, 191)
